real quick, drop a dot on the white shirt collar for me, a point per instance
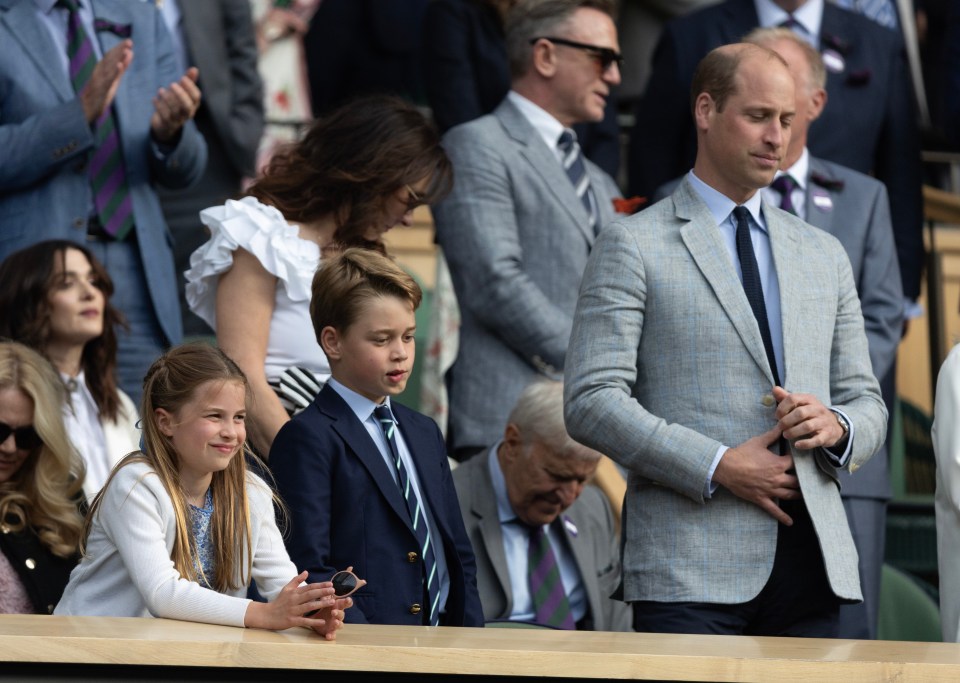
(721, 206)
(800, 170)
(543, 121)
(809, 15)
(361, 406)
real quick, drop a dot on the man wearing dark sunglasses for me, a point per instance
(524, 212)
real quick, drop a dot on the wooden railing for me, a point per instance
(158, 649)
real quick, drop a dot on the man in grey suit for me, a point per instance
(516, 230)
(535, 478)
(216, 36)
(47, 134)
(852, 207)
(732, 403)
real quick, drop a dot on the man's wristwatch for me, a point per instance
(844, 425)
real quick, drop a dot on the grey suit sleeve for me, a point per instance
(242, 131)
(478, 231)
(853, 387)
(599, 408)
(881, 292)
(183, 164)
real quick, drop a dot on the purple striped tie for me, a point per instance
(108, 175)
(550, 603)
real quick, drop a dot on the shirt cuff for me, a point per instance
(709, 488)
(840, 460)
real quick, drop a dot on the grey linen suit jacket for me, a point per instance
(596, 547)
(666, 364)
(516, 238)
(858, 215)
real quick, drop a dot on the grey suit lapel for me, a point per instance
(484, 506)
(545, 163)
(586, 562)
(816, 215)
(35, 42)
(702, 239)
(785, 245)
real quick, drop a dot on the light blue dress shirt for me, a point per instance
(721, 207)
(516, 541)
(363, 408)
(809, 16)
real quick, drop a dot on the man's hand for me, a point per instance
(753, 473)
(174, 106)
(97, 95)
(806, 421)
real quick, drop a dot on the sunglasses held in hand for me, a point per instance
(345, 583)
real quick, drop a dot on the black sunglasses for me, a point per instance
(604, 55)
(345, 583)
(26, 438)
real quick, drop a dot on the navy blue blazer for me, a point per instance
(869, 123)
(345, 509)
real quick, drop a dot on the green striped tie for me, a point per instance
(108, 175)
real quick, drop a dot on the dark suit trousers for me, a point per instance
(796, 601)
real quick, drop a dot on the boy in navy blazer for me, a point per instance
(366, 481)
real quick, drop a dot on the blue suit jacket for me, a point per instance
(46, 141)
(345, 509)
(869, 123)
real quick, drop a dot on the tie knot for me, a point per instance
(789, 22)
(784, 184)
(69, 5)
(567, 139)
(383, 414)
(742, 215)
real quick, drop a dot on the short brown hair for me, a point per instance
(530, 19)
(348, 280)
(716, 73)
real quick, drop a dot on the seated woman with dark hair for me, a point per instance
(40, 485)
(55, 298)
(358, 172)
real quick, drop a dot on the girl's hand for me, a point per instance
(329, 620)
(294, 600)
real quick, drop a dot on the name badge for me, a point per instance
(822, 200)
(833, 61)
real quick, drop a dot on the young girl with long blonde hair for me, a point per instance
(181, 529)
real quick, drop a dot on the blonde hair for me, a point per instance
(43, 493)
(171, 382)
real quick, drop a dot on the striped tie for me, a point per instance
(430, 579)
(550, 603)
(108, 175)
(577, 172)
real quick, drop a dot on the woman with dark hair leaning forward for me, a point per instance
(357, 173)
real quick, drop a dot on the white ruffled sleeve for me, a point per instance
(260, 230)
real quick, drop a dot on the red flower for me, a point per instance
(628, 205)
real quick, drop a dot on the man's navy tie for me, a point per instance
(752, 286)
